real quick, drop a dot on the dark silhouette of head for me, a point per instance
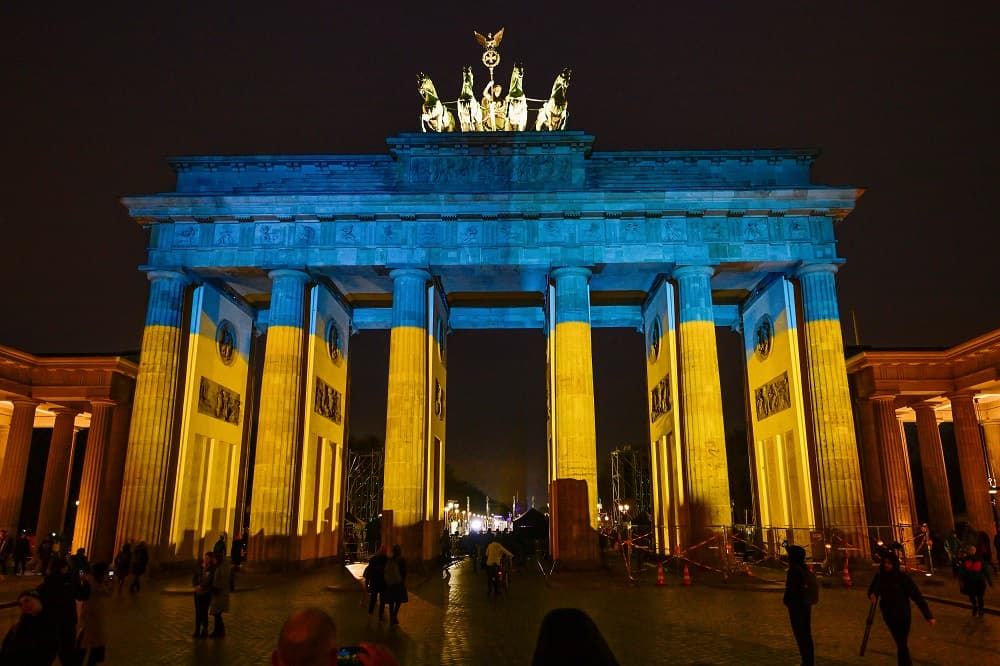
(569, 636)
(308, 638)
(796, 555)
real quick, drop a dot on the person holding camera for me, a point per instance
(309, 638)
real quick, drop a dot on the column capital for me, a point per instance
(693, 270)
(807, 269)
(19, 401)
(570, 271)
(295, 273)
(962, 396)
(397, 273)
(65, 411)
(166, 274)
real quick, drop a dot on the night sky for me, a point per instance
(899, 96)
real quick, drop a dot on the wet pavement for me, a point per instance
(450, 620)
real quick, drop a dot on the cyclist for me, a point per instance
(494, 554)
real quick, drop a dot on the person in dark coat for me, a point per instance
(140, 560)
(375, 581)
(203, 580)
(894, 590)
(22, 553)
(32, 640)
(798, 603)
(59, 592)
(974, 572)
(569, 636)
(395, 583)
(123, 564)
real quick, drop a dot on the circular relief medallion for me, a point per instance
(441, 337)
(764, 337)
(655, 334)
(225, 341)
(333, 341)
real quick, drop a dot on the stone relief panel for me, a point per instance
(469, 233)
(673, 229)
(430, 233)
(390, 233)
(660, 402)
(327, 401)
(350, 233)
(306, 233)
(185, 234)
(538, 170)
(511, 232)
(772, 397)
(226, 235)
(268, 234)
(755, 228)
(219, 402)
(438, 400)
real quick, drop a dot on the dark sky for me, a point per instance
(900, 97)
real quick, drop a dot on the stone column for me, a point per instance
(971, 461)
(4, 431)
(895, 470)
(991, 431)
(147, 486)
(940, 518)
(704, 433)
(406, 407)
(15, 463)
(576, 434)
(52, 512)
(279, 436)
(92, 487)
(840, 491)
(103, 541)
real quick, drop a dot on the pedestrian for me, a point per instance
(91, 639)
(220, 545)
(123, 564)
(60, 591)
(220, 594)
(801, 592)
(953, 547)
(79, 562)
(494, 557)
(237, 554)
(974, 573)
(374, 576)
(140, 560)
(32, 640)
(445, 542)
(309, 638)
(22, 553)
(894, 590)
(6, 550)
(395, 583)
(202, 582)
(569, 636)
(44, 555)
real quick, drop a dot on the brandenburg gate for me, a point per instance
(262, 267)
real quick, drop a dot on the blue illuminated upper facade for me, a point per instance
(490, 215)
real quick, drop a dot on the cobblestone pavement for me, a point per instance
(449, 620)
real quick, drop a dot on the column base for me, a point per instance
(573, 541)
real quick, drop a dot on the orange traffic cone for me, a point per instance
(687, 576)
(847, 575)
(659, 574)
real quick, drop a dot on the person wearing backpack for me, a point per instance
(801, 594)
(894, 590)
(395, 583)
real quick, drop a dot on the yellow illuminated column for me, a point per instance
(406, 407)
(701, 403)
(147, 482)
(839, 473)
(52, 510)
(576, 435)
(971, 461)
(940, 518)
(279, 439)
(895, 468)
(88, 514)
(15, 463)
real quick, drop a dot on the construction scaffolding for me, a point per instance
(630, 480)
(364, 483)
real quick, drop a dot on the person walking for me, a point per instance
(220, 594)
(59, 592)
(974, 573)
(494, 556)
(140, 560)
(801, 592)
(395, 583)
(237, 554)
(22, 553)
(220, 545)
(202, 581)
(91, 639)
(894, 590)
(123, 564)
(375, 581)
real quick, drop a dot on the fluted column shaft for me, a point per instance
(4, 431)
(406, 407)
(102, 544)
(15, 463)
(145, 490)
(88, 514)
(940, 517)
(275, 480)
(895, 466)
(701, 403)
(576, 434)
(971, 461)
(991, 431)
(52, 512)
(840, 490)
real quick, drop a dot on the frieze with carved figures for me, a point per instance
(219, 402)
(660, 402)
(328, 402)
(772, 397)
